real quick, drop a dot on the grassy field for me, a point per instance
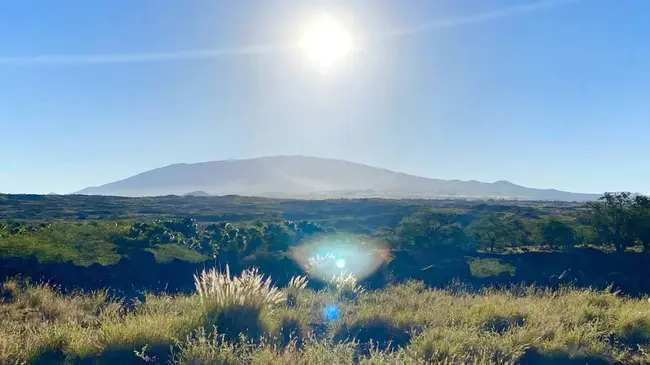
(246, 320)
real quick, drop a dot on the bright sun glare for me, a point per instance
(325, 41)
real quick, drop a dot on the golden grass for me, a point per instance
(401, 324)
(250, 289)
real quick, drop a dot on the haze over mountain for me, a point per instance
(311, 177)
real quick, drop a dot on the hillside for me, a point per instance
(311, 177)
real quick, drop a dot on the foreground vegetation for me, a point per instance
(246, 320)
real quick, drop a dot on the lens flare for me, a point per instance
(326, 257)
(331, 312)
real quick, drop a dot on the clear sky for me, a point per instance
(556, 96)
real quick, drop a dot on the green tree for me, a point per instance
(611, 217)
(278, 237)
(429, 229)
(520, 234)
(556, 233)
(494, 232)
(641, 220)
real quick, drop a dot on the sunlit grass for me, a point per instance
(401, 324)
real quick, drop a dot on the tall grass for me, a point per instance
(296, 285)
(237, 320)
(251, 289)
(347, 286)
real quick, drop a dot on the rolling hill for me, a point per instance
(312, 177)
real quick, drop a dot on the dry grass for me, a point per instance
(250, 289)
(402, 324)
(347, 286)
(296, 285)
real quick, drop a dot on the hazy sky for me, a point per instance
(556, 96)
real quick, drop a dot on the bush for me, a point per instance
(235, 305)
(251, 289)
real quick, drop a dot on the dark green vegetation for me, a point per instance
(355, 215)
(137, 245)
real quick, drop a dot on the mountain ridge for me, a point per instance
(298, 176)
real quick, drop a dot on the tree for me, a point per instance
(278, 237)
(430, 229)
(641, 220)
(493, 231)
(519, 233)
(557, 233)
(224, 239)
(611, 217)
(186, 226)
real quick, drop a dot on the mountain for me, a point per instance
(312, 177)
(197, 193)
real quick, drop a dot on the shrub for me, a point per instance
(235, 304)
(251, 289)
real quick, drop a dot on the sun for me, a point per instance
(325, 41)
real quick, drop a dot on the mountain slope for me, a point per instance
(304, 177)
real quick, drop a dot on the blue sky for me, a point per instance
(557, 97)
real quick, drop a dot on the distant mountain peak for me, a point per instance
(299, 176)
(197, 193)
